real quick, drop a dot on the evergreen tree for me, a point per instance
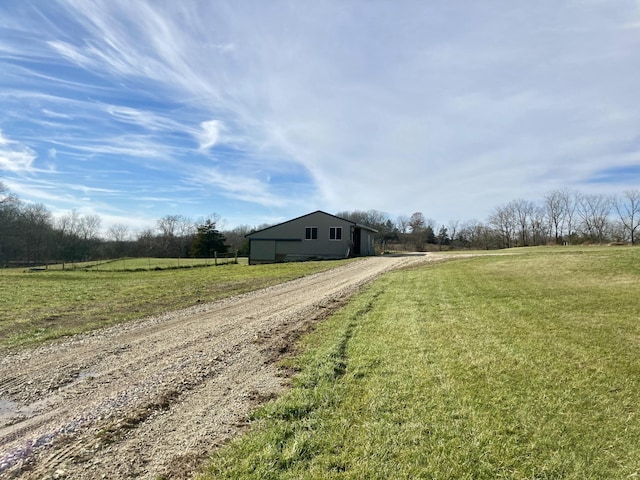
(208, 241)
(443, 236)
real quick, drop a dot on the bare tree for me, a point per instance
(618, 232)
(9, 213)
(186, 232)
(68, 236)
(372, 218)
(539, 226)
(475, 234)
(376, 218)
(213, 217)
(570, 201)
(628, 209)
(417, 222)
(523, 213)
(176, 232)
(69, 224)
(594, 212)
(36, 232)
(89, 232)
(419, 230)
(403, 223)
(89, 227)
(454, 225)
(147, 243)
(118, 234)
(503, 220)
(168, 226)
(236, 238)
(555, 206)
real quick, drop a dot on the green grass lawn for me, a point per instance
(522, 366)
(37, 306)
(147, 263)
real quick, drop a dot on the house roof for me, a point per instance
(364, 227)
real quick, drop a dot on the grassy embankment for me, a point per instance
(521, 367)
(37, 306)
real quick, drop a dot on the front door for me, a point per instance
(357, 233)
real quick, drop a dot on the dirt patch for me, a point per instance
(151, 399)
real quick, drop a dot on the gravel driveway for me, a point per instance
(154, 397)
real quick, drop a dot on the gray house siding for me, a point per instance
(316, 235)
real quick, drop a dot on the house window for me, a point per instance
(335, 233)
(311, 233)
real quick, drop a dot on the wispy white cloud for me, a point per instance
(397, 106)
(148, 120)
(210, 133)
(128, 146)
(238, 187)
(49, 113)
(71, 53)
(15, 157)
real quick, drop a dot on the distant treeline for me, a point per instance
(563, 217)
(29, 234)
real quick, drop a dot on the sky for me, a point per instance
(261, 111)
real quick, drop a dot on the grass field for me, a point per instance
(141, 264)
(521, 366)
(37, 306)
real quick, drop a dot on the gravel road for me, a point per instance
(155, 397)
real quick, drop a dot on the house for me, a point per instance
(317, 235)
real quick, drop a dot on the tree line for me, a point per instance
(29, 233)
(562, 217)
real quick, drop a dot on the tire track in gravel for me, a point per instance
(154, 397)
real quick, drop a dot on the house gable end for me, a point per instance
(316, 235)
(317, 212)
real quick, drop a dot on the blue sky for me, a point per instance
(262, 111)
